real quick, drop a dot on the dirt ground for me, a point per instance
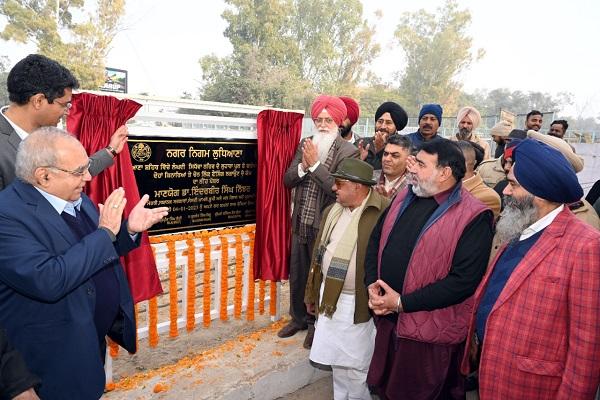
(171, 350)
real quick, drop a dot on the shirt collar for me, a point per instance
(59, 204)
(541, 223)
(353, 138)
(20, 132)
(443, 196)
(360, 207)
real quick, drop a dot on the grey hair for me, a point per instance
(38, 150)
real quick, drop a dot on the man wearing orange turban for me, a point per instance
(310, 174)
(353, 112)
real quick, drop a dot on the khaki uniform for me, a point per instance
(587, 214)
(491, 172)
(487, 150)
(483, 193)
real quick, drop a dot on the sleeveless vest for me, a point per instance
(430, 262)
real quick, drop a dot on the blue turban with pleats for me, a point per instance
(544, 172)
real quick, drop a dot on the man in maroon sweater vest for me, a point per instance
(425, 258)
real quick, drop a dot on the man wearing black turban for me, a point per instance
(390, 118)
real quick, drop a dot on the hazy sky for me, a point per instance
(548, 46)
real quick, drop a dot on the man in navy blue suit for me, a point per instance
(62, 288)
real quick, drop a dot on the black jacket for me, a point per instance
(15, 378)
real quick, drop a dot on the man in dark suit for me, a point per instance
(40, 92)
(62, 288)
(310, 173)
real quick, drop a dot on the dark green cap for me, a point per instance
(355, 170)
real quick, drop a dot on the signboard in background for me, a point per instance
(508, 117)
(115, 80)
(206, 183)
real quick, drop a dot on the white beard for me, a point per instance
(323, 141)
(516, 216)
(423, 188)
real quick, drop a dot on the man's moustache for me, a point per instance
(428, 126)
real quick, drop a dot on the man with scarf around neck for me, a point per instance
(536, 326)
(467, 122)
(421, 270)
(345, 333)
(310, 174)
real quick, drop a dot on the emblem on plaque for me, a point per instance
(141, 152)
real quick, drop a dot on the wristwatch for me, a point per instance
(112, 151)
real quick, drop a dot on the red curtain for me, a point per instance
(93, 119)
(278, 136)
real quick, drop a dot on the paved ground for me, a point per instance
(319, 390)
(232, 360)
(323, 390)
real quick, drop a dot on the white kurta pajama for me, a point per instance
(338, 342)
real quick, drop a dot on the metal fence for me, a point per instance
(365, 127)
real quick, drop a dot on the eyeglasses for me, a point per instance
(79, 172)
(327, 121)
(338, 181)
(66, 105)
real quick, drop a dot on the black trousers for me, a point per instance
(300, 257)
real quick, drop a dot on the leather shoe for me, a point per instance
(310, 335)
(289, 330)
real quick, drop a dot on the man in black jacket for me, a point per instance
(16, 382)
(390, 119)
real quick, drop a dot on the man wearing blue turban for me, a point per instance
(536, 325)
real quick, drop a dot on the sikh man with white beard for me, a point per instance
(310, 174)
(535, 330)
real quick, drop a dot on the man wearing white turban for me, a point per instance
(467, 121)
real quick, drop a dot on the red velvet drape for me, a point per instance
(278, 136)
(93, 119)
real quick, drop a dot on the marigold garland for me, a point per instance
(152, 316)
(191, 286)
(195, 361)
(153, 322)
(272, 301)
(261, 297)
(171, 239)
(171, 255)
(136, 319)
(206, 282)
(239, 276)
(113, 348)
(251, 284)
(224, 276)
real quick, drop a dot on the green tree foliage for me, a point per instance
(4, 68)
(46, 23)
(372, 96)
(492, 101)
(286, 51)
(437, 49)
(335, 43)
